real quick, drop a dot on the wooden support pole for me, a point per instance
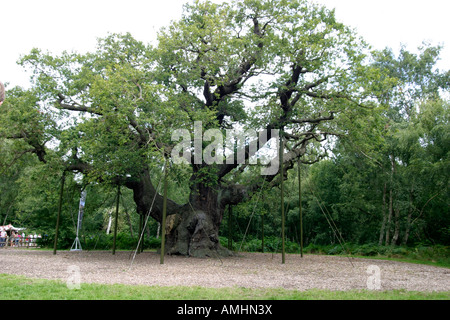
(144, 219)
(230, 227)
(116, 222)
(283, 258)
(163, 224)
(300, 206)
(138, 249)
(262, 233)
(61, 191)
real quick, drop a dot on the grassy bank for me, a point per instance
(22, 288)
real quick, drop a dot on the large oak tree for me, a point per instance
(261, 65)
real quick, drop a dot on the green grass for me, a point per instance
(22, 288)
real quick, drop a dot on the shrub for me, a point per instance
(367, 250)
(314, 248)
(271, 244)
(335, 250)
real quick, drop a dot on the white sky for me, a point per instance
(58, 25)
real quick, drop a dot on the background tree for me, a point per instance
(419, 85)
(389, 174)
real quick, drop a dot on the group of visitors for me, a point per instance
(15, 239)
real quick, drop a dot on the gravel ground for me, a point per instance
(250, 270)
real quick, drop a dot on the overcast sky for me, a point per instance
(58, 25)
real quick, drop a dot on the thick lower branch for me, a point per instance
(148, 198)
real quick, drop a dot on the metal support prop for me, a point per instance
(76, 246)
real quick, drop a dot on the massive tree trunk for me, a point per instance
(195, 233)
(192, 229)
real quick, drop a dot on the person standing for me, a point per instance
(16, 239)
(2, 93)
(3, 236)
(19, 240)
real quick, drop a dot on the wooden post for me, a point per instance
(63, 179)
(283, 258)
(230, 227)
(144, 219)
(116, 219)
(163, 224)
(262, 233)
(300, 207)
(138, 249)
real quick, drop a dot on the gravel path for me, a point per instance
(250, 270)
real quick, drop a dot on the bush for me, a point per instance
(399, 252)
(315, 249)
(292, 247)
(336, 250)
(152, 243)
(367, 250)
